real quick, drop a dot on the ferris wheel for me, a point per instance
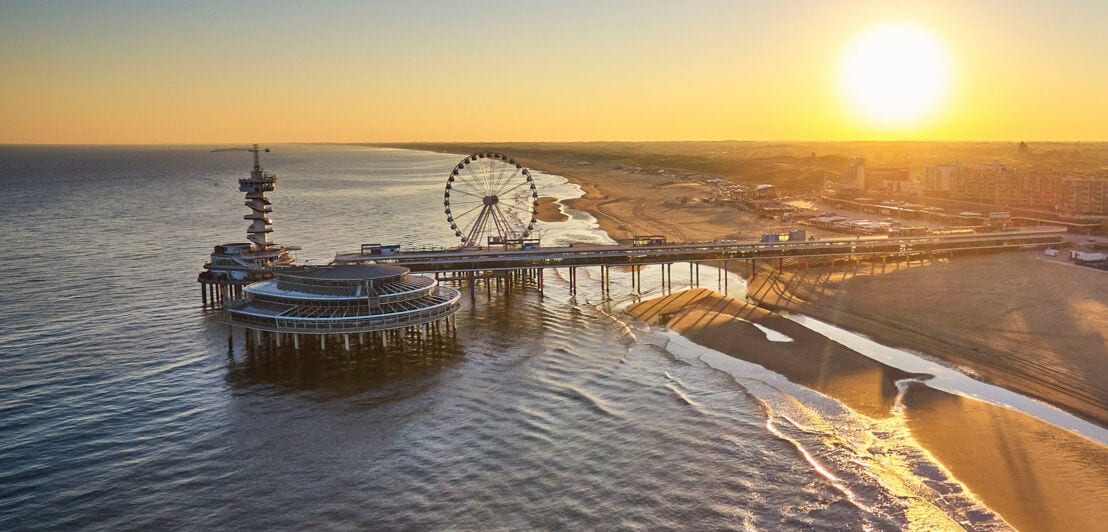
(490, 199)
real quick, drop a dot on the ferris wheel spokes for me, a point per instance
(486, 187)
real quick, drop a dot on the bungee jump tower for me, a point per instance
(235, 265)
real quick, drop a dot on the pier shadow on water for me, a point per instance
(371, 365)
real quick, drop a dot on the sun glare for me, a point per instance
(895, 74)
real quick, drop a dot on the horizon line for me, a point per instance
(410, 142)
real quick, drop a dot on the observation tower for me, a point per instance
(341, 300)
(235, 265)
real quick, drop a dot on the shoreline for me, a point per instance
(1013, 463)
(549, 211)
(1044, 344)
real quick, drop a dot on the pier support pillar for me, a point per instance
(322, 342)
(296, 341)
(604, 281)
(346, 341)
(204, 294)
(608, 280)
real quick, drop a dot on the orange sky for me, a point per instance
(111, 72)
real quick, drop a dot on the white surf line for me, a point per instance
(952, 381)
(771, 335)
(752, 374)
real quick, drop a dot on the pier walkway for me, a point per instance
(574, 256)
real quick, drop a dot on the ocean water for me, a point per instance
(121, 408)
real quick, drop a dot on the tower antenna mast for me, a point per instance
(257, 161)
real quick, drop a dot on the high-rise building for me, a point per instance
(1085, 196)
(855, 176)
(1006, 185)
(937, 179)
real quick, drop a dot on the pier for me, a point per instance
(367, 298)
(471, 265)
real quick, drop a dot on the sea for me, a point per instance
(122, 406)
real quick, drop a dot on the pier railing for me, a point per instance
(328, 325)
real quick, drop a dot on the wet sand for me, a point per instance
(1015, 320)
(549, 210)
(715, 321)
(1035, 475)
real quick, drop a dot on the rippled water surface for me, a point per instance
(120, 407)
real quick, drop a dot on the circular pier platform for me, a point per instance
(341, 299)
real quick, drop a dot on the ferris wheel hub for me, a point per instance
(491, 200)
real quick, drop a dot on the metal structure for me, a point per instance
(235, 265)
(255, 188)
(490, 200)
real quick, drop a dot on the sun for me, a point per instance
(895, 74)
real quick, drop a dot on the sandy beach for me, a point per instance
(1035, 475)
(1038, 477)
(1039, 327)
(715, 321)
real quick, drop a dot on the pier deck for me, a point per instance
(696, 252)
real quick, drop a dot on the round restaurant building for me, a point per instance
(341, 299)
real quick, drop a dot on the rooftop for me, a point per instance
(344, 272)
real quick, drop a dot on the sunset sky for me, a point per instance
(215, 72)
